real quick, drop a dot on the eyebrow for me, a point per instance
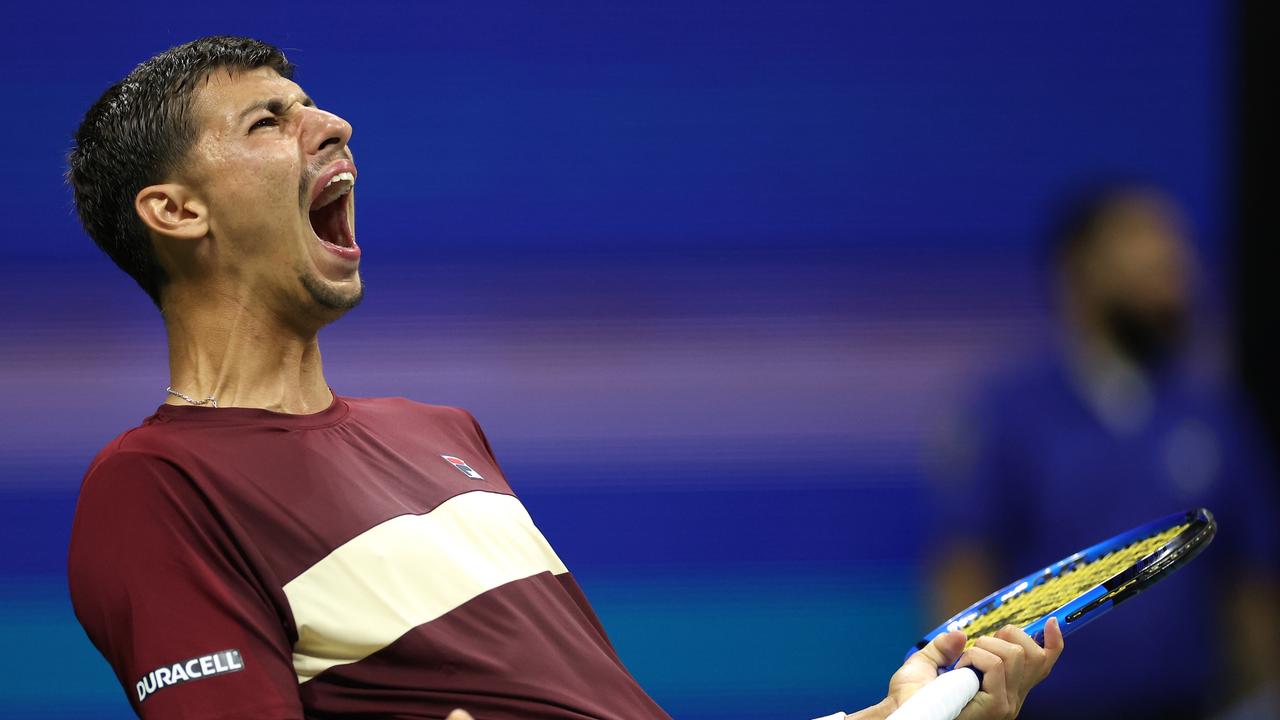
(275, 105)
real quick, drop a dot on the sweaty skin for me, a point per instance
(251, 283)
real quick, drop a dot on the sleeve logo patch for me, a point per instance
(463, 467)
(197, 668)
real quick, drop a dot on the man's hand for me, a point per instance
(1011, 662)
(459, 714)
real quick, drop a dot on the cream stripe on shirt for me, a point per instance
(410, 570)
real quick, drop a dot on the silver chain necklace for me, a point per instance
(209, 400)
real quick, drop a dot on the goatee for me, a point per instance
(330, 297)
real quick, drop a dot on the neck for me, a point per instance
(243, 357)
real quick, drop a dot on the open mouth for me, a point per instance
(330, 209)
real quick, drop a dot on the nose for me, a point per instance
(321, 129)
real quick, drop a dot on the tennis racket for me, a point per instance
(1075, 590)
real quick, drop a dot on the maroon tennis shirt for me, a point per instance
(369, 560)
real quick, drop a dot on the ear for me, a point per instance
(172, 210)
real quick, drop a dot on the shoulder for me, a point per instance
(398, 409)
(124, 486)
(443, 424)
(131, 504)
(1209, 393)
(142, 470)
(1016, 389)
(139, 451)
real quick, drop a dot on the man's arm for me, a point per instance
(164, 590)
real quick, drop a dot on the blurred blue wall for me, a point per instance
(708, 273)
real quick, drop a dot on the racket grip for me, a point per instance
(942, 699)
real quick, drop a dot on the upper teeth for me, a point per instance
(341, 177)
(343, 181)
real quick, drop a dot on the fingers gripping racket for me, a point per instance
(1075, 590)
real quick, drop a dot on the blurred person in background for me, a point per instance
(1107, 428)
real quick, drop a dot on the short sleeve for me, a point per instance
(163, 591)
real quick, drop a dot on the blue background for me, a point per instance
(710, 274)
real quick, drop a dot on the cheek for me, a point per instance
(257, 199)
(273, 185)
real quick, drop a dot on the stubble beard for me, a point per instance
(328, 297)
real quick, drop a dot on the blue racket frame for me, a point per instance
(1076, 614)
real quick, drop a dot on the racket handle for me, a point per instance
(942, 699)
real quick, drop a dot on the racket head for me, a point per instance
(1085, 585)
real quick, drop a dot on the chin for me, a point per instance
(339, 298)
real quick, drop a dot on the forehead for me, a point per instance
(1139, 239)
(225, 93)
(1142, 221)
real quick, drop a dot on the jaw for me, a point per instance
(335, 297)
(332, 281)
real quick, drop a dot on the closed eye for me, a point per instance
(269, 121)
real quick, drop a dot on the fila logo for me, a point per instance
(463, 467)
(219, 663)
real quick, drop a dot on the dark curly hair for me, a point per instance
(137, 133)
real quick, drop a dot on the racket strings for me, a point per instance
(1036, 601)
